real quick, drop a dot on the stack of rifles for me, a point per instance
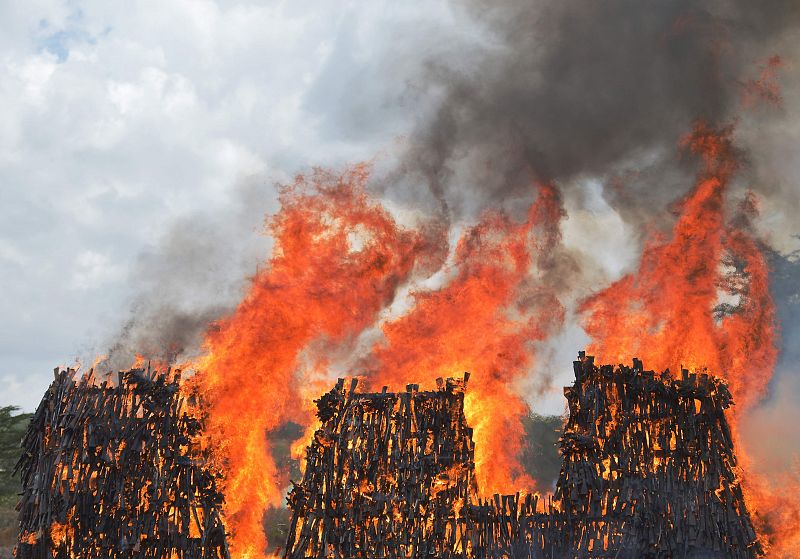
(117, 470)
(648, 472)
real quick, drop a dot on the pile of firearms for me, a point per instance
(118, 471)
(649, 466)
(386, 475)
(648, 472)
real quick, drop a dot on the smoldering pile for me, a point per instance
(649, 471)
(117, 470)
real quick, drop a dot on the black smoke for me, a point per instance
(566, 89)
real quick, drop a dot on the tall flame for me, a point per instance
(337, 263)
(664, 313)
(672, 311)
(485, 321)
(699, 299)
(320, 283)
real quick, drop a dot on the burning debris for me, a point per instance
(649, 467)
(648, 472)
(118, 471)
(387, 475)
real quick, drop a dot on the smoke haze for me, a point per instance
(593, 97)
(569, 89)
(464, 106)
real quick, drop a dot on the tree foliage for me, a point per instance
(540, 457)
(12, 429)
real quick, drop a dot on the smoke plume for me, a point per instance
(193, 276)
(549, 91)
(565, 90)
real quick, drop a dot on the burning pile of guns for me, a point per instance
(118, 471)
(648, 472)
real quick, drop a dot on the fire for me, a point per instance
(60, 532)
(766, 88)
(663, 313)
(700, 300)
(669, 311)
(319, 287)
(484, 321)
(338, 261)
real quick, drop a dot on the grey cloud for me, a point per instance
(134, 145)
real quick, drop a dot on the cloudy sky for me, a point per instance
(140, 143)
(123, 124)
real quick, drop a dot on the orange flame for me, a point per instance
(484, 321)
(766, 88)
(319, 285)
(700, 299)
(665, 312)
(338, 261)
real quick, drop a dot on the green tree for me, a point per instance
(12, 430)
(540, 457)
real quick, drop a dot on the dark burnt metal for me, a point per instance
(648, 472)
(118, 471)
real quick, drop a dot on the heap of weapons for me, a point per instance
(649, 466)
(118, 471)
(648, 472)
(385, 475)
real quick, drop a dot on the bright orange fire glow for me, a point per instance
(322, 284)
(338, 261)
(484, 321)
(700, 299)
(664, 312)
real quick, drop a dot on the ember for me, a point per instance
(116, 471)
(648, 471)
(386, 475)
